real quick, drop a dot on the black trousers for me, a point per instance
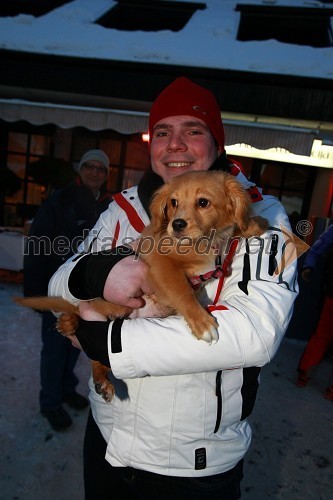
(57, 361)
(104, 482)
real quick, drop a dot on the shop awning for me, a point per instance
(64, 116)
(295, 140)
(261, 136)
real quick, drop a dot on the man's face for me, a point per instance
(92, 174)
(181, 144)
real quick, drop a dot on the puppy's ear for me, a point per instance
(158, 209)
(240, 203)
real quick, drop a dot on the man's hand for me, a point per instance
(127, 282)
(75, 342)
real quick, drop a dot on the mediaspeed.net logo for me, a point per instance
(294, 246)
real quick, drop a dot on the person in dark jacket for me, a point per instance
(60, 225)
(322, 339)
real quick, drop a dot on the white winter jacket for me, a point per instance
(181, 405)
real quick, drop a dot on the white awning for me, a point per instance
(295, 140)
(64, 116)
(262, 136)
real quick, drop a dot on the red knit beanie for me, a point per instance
(184, 97)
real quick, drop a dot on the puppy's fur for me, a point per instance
(189, 212)
(192, 218)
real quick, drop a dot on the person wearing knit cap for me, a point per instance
(177, 426)
(184, 97)
(95, 155)
(65, 217)
(93, 170)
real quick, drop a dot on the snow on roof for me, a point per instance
(208, 40)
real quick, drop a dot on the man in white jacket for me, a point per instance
(177, 426)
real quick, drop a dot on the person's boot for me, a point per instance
(58, 418)
(75, 400)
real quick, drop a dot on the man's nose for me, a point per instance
(177, 142)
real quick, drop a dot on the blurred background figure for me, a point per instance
(322, 339)
(61, 223)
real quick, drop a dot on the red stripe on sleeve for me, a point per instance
(133, 217)
(116, 235)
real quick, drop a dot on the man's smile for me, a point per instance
(178, 164)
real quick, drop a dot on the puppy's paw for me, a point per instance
(204, 327)
(67, 324)
(210, 336)
(105, 389)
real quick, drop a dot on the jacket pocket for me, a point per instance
(249, 389)
(218, 393)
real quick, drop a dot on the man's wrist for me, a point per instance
(88, 278)
(93, 336)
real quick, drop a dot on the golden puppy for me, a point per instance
(194, 211)
(192, 218)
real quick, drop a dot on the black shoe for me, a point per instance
(75, 400)
(59, 418)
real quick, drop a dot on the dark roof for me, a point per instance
(237, 91)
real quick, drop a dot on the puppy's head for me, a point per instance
(196, 204)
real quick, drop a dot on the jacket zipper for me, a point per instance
(218, 394)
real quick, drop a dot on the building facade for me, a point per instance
(78, 74)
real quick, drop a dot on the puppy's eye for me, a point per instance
(202, 203)
(173, 202)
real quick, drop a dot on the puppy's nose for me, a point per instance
(179, 224)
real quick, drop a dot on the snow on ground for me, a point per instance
(291, 452)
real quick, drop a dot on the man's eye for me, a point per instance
(173, 202)
(202, 203)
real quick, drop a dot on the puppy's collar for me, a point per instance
(197, 281)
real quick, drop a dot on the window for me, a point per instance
(128, 155)
(291, 184)
(21, 193)
(149, 15)
(295, 25)
(136, 159)
(35, 8)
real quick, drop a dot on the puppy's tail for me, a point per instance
(56, 304)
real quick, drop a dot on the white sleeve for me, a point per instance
(253, 312)
(100, 238)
